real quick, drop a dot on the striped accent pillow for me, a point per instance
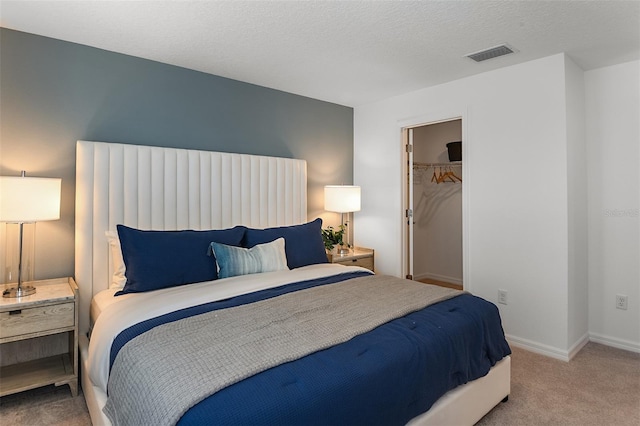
(233, 261)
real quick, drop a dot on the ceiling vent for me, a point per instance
(492, 52)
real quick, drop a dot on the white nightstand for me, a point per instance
(359, 256)
(39, 337)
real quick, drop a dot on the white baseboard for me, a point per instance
(538, 348)
(428, 275)
(615, 342)
(575, 348)
(567, 355)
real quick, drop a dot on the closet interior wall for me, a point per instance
(437, 230)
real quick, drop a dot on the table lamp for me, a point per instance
(342, 199)
(26, 200)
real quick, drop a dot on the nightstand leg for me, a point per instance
(74, 388)
(73, 385)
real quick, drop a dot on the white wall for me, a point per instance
(578, 288)
(516, 177)
(613, 140)
(437, 207)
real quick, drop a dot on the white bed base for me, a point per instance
(167, 188)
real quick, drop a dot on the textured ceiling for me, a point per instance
(346, 52)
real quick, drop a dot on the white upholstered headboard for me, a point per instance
(170, 189)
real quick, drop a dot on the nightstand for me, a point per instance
(39, 337)
(359, 256)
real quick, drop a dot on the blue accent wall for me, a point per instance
(53, 93)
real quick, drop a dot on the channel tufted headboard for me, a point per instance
(170, 189)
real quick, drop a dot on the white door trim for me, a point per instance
(423, 120)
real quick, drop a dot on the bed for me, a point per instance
(253, 208)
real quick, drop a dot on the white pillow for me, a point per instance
(118, 278)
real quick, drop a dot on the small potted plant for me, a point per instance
(335, 237)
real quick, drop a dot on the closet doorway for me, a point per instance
(434, 203)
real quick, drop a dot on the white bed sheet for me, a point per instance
(100, 302)
(129, 309)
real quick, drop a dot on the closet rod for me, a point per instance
(417, 164)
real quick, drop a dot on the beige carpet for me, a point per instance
(600, 386)
(45, 406)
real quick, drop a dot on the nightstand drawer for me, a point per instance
(365, 262)
(37, 319)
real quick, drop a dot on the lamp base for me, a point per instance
(19, 291)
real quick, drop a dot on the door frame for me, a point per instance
(407, 199)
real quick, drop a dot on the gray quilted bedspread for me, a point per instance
(160, 374)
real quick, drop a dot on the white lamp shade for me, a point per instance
(342, 198)
(29, 199)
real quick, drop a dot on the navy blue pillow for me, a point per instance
(161, 259)
(302, 243)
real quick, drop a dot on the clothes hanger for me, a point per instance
(449, 174)
(453, 175)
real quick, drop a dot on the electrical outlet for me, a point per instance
(502, 297)
(621, 302)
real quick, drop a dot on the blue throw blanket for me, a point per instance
(386, 376)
